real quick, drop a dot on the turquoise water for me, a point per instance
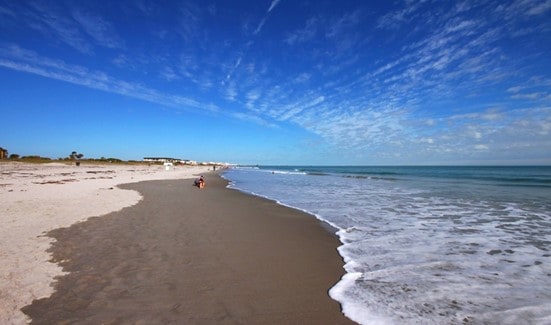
(428, 245)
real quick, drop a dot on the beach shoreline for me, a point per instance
(37, 198)
(43, 203)
(188, 255)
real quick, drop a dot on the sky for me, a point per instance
(286, 82)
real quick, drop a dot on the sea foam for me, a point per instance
(420, 247)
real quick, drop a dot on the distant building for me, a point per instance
(3, 153)
(164, 160)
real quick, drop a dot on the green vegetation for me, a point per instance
(76, 158)
(73, 157)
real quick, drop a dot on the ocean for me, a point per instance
(427, 245)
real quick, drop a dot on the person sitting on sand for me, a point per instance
(200, 182)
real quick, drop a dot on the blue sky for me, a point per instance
(279, 81)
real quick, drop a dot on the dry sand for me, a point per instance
(36, 198)
(185, 255)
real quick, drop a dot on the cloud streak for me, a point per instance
(100, 30)
(49, 22)
(22, 60)
(273, 5)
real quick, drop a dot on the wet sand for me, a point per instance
(189, 256)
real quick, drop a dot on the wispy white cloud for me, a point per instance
(6, 12)
(540, 8)
(489, 135)
(231, 91)
(121, 60)
(260, 25)
(339, 27)
(169, 74)
(100, 30)
(530, 96)
(48, 21)
(305, 34)
(145, 7)
(253, 118)
(367, 129)
(252, 97)
(75, 29)
(395, 19)
(295, 109)
(303, 77)
(190, 17)
(273, 5)
(488, 115)
(536, 89)
(234, 67)
(16, 58)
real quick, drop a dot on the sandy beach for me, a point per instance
(37, 198)
(174, 253)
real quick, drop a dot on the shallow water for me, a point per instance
(422, 245)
